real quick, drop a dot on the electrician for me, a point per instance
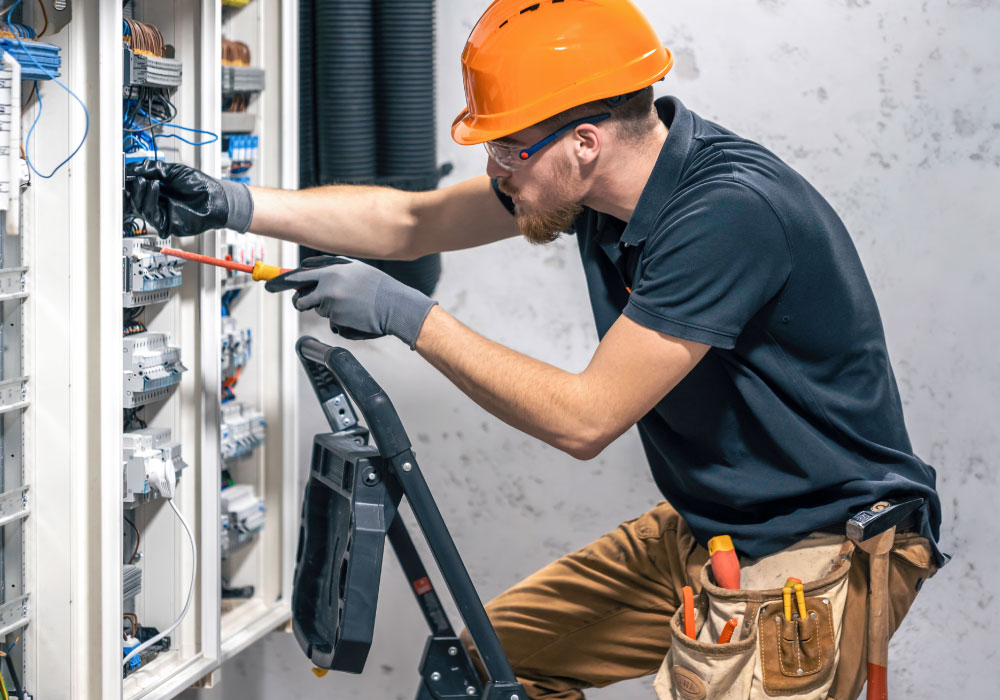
(738, 329)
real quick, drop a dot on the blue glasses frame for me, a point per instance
(526, 153)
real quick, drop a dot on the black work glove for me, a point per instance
(360, 301)
(178, 200)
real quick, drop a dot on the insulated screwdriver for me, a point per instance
(259, 270)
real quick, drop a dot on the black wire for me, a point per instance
(13, 677)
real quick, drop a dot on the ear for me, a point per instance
(587, 142)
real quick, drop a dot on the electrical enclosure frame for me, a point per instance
(75, 537)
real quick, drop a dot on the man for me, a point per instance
(738, 329)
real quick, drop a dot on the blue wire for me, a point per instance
(27, 141)
(154, 122)
(181, 138)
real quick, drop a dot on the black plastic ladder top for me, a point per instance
(320, 362)
(375, 406)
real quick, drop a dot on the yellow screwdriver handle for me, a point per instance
(264, 272)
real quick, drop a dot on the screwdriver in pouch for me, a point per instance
(260, 271)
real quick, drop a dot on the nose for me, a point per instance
(493, 168)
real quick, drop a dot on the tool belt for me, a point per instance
(769, 656)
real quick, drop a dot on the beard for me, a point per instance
(544, 226)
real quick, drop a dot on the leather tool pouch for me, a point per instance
(769, 656)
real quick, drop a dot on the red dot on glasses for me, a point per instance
(524, 155)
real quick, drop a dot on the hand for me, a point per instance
(178, 200)
(360, 301)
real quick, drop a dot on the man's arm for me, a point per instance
(379, 222)
(633, 368)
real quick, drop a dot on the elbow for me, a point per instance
(583, 446)
(585, 452)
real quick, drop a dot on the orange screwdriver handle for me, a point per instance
(727, 631)
(725, 563)
(687, 595)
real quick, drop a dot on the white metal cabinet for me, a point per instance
(75, 537)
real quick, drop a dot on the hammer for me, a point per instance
(874, 530)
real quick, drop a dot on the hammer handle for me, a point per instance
(878, 616)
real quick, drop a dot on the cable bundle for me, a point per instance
(235, 53)
(12, 31)
(142, 38)
(39, 60)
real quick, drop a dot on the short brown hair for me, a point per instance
(633, 116)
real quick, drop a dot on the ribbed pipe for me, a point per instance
(404, 56)
(345, 95)
(307, 95)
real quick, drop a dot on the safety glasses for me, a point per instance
(511, 157)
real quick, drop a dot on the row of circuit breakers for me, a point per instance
(153, 368)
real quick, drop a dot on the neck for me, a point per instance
(616, 189)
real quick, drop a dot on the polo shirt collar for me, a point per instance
(666, 172)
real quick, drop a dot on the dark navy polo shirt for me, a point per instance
(792, 421)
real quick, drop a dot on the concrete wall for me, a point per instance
(891, 110)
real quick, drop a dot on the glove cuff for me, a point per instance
(240, 204)
(403, 308)
(420, 324)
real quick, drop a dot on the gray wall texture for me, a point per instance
(890, 109)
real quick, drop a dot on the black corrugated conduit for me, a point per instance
(307, 95)
(367, 105)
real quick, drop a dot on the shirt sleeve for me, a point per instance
(505, 200)
(712, 263)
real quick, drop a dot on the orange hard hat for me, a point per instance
(525, 62)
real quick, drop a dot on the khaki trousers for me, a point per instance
(602, 614)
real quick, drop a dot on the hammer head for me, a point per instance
(880, 517)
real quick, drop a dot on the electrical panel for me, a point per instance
(159, 421)
(15, 386)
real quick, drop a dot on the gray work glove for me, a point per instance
(179, 200)
(360, 301)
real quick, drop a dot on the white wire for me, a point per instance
(187, 604)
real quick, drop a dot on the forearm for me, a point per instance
(379, 222)
(355, 220)
(548, 403)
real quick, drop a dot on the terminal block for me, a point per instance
(146, 451)
(152, 368)
(243, 429)
(151, 71)
(242, 79)
(236, 346)
(148, 275)
(243, 515)
(131, 581)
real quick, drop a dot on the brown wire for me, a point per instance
(134, 620)
(136, 550)
(235, 53)
(45, 14)
(145, 38)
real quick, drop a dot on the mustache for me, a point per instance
(507, 189)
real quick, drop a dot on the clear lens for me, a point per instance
(504, 156)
